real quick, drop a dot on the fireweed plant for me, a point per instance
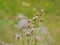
(34, 35)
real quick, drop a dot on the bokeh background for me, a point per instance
(10, 8)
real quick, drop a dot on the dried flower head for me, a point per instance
(17, 36)
(37, 38)
(38, 13)
(32, 30)
(41, 19)
(34, 19)
(28, 33)
(29, 21)
(29, 25)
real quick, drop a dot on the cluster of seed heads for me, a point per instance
(27, 26)
(38, 15)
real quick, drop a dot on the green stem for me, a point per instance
(28, 41)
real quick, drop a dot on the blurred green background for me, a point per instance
(10, 8)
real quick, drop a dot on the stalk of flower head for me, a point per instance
(36, 38)
(38, 17)
(25, 24)
(28, 28)
(22, 25)
(40, 21)
(29, 32)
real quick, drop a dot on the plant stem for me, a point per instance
(28, 40)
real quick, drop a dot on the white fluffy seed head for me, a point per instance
(22, 23)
